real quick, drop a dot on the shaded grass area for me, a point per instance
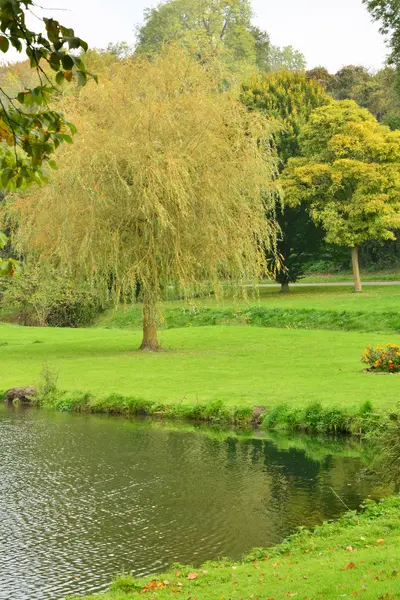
(204, 369)
(366, 276)
(262, 316)
(377, 309)
(356, 556)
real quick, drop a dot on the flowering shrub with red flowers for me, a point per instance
(385, 359)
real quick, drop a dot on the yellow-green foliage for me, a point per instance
(289, 97)
(168, 182)
(349, 174)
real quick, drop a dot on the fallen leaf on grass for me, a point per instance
(380, 541)
(350, 549)
(192, 576)
(351, 566)
(154, 585)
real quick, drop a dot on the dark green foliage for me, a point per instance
(380, 255)
(289, 98)
(302, 242)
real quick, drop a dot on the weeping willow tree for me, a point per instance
(168, 183)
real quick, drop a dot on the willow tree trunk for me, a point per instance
(285, 287)
(150, 341)
(356, 269)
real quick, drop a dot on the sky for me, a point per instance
(331, 33)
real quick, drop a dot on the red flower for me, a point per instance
(391, 365)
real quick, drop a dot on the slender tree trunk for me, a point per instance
(150, 341)
(285, 287)
(356, 269)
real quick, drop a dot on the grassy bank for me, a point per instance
(302, 378)
(356, 556)
(304, 308)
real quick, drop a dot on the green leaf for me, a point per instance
(67, 62)
(6, 268)
(52, 29)
(55, 58)
(81, 78)
(21, 97)
(60, 77)
(74, 43)
(6, 176)
(72, 128)
(53, 165)
(16, 43)
(83, 45)
(4, 44)
(67, 32)
(3, 239)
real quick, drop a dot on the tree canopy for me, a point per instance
(31, 130)
(215, 27)
(348, 175)
(289, 98)
(376, 91)
(387, 12)
(167, 184)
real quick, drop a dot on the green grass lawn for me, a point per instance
(246, 366)
(358, 556)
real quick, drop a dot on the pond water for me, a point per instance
(83, 498)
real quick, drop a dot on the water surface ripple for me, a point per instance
(83, 498)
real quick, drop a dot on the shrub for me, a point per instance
(46, 295)
(384, 359)
(46, 388)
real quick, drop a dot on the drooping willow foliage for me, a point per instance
(169, 183)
